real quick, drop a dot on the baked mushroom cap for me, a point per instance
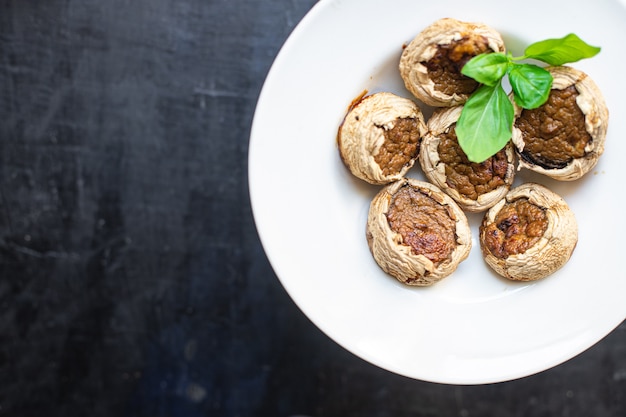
(529, 234)
(380, 136)
(474, 186)
(417, 233)
(564, 138)
(431, 64)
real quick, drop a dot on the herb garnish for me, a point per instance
(486, 122)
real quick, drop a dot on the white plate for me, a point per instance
(473, 327)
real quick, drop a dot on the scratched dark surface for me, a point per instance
(132, 280)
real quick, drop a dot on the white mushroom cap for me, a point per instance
(591, 102)
(362, 135)
(435, 170)
(424, 47)
(397, 258)
(551, 251)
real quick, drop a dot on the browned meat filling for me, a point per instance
(425, 225)
(401, 145)
(445, 67)
(517, 227)
(554, 134)
(469, 178)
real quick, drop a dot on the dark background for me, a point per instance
(132, 279)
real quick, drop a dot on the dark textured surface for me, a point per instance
(132, 280)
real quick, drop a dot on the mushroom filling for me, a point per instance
(470, 179)
(516, 228)
(401, 145)
(425, 225)
(554, 134)
(444, 68)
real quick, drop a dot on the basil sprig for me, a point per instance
(486, 122)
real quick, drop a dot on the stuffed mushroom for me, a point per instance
(529, 234)
(474, 186)
(564, 137)
(431, 63)
(416, 233)
(380, 136)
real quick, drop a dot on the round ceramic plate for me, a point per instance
(473, 327)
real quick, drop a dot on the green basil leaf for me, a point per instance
(485, 124)
(561, 51)
(486, 68)
(531, 85)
